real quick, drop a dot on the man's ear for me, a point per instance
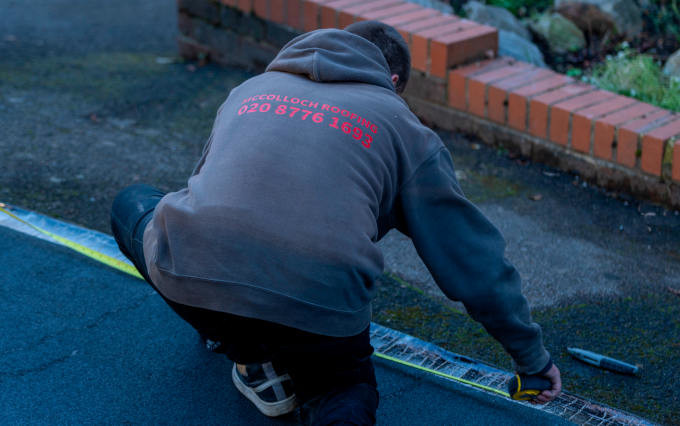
(395, 79)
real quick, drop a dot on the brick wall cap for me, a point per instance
(649, 122)
(428, 23)
(465, 33)
(668, 130)
(585, 100)
(552, 82)
(509, 70)
(369, 5)
(615, 103)
(558, 95)
(532, 75)
(449, 28)
(412, 17)
(632, 111)
(390, 11)
(481, 66)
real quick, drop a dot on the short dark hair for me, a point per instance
(391, 44)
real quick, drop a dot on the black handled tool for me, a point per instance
(526, 388)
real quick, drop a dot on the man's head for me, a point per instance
(392, 46)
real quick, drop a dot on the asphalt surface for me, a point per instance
(85, 344)
(94, 98)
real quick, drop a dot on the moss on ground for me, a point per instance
(481, 187)
(644, 329)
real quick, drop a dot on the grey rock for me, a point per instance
(559, 33)
(623, 16)
(495, 17)
(672, 67)
(510, 44)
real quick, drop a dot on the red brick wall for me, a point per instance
(458, 84)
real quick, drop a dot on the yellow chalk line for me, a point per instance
(93, 254)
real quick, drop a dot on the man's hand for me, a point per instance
(548, 395)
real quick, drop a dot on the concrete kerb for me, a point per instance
(602, 173)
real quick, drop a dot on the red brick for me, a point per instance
(436, 21)
(420, 41)
(518, 99)
(582, 121)
(311, 10)
(539, 106)
(414, 16)
(294, 14)
(561, 112)
(260, 8)
(605, 127)
(329, 18)
(457, 48)
(477, 85)
(230, 3)
(497, 94)
(676, 161)
(457, 80)
(628, 137)
(347, 14)
(245, 6)
(388, 12)
(277, 11)
(653, 145)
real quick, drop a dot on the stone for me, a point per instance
(496, 17)
(600, 16)
(559, 33)
(510, 44)
(672, 67)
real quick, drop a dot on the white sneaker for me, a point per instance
(271, 393)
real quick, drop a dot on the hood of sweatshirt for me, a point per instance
(332, 55)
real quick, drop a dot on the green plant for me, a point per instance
(522, 8)
(664, 16)
(638, 76)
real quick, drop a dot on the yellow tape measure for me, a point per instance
(439, 373)
(93, 254)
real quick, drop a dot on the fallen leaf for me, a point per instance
(94, 118)
(536, 197)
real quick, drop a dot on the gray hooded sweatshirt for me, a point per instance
(308, 165)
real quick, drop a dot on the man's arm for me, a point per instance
(464, 253)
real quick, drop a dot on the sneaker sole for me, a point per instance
(269, 409)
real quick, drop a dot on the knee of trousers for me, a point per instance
(132, 204)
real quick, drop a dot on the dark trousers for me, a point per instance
(333, 377)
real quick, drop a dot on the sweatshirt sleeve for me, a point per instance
(464, 253)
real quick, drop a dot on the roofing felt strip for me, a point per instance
(391, 345)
